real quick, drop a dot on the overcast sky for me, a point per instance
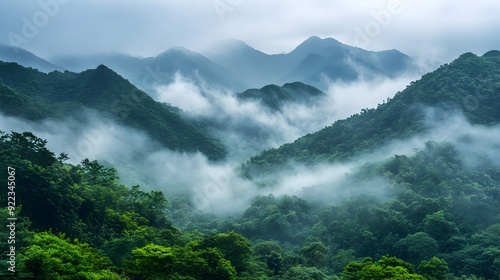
(441, 29)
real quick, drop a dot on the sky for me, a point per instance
(438, 30)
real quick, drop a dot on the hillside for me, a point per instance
(26, 58)
(274, 97)
(19, 105)
(431, 214)
(108, 93)
(146, 73)
(311, 62)
(469, 84)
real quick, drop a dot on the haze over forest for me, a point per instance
(251, 140)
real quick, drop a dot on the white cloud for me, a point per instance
(183, 94)
(441, 28)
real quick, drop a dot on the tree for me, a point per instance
(385, 268)
(438, 227)
(417, 247)
(434, 269)
(55, 257)
(314, 254)
(304, 273)
(271, 254)
(341, 259)
(233, 246)
(160, 262)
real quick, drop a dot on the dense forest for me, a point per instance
(107, 93)
(470, 85)
(275, 97)
(432, 213)
(78, 222)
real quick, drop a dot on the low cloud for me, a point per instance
(218, 188)
(183, 94)
(247, 126)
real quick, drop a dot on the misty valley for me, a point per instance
(327, 162)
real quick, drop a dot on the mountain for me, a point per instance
(146, 73)
(20, 105)
(26, 58)
(314, 62)
(330, 59)
(469, 84)
(111, 95)
(257, 68)
(274, 97)
(236, 66)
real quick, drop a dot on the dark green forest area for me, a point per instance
(470, 84)
(78, 222)
(435, 213)
(33, 95)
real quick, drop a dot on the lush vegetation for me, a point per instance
(105, 91)
(469, 84)
(78, 222)
(432, 214)
(275, 97)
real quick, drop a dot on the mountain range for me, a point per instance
(315, 61)
(236, 66)
(469, 85)
(26, 58)
(433, 210)
(60, 95)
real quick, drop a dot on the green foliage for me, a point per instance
(385, 268)
(111, 95)
(271, 254)
(304, 273)
(418, 246)
(158, 262)
(233, 246)
(276, 219)
(55, 257)
(434, 269)
(275, 97)
(469, 84)
(341, 259)
(441, 213)
(14, 104)
(314, 254)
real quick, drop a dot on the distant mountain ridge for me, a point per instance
(315, 61)
(469, 84)
(146, 73)
(236, 66)
(26, 58)
(37, 95)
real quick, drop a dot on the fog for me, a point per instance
(248, 127)
(218, 187)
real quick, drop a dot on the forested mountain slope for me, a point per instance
(274, 97)
(77, 221)
(470, 84)
(111, 95)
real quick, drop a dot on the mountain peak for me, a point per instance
(315, 41)
(233, 46)
(492, 53)
(26, 58)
